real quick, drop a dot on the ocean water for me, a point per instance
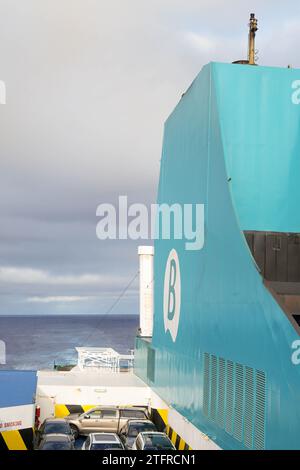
(37, 342)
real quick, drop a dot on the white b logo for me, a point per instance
(296, 353)
(296, 93)
(172, 295)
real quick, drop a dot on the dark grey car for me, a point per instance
(132, 428)
(56, 442)
(52, 426)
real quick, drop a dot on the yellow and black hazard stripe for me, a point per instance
(160, 419)
(61, 411)
(178, 442)
(21, 439)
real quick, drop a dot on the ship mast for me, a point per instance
(252, 31)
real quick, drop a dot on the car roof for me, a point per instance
(142, 421)
(149, 434)
(142, 408)
(102, 408)
(56, 437)
(112, 407)
(104, 437)
(55, 420)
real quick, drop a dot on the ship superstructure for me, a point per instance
(232, 366)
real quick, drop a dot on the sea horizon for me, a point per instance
(40, 341)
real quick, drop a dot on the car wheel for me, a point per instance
(74, 430)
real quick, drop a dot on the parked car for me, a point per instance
(56, 442)
(153, 441)
(104, 419)
(132, 428)
(103, 441)
(52, 426)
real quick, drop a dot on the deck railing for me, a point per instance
(104, 359)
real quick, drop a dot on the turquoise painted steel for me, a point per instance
(260, 129)
(140, 357)
(232, 144)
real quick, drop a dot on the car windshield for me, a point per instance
(56, 428)
(157, 442)
(56, 446)
(106, 446)
(136, 428)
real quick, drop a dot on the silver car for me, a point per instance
(153, 441)
(103, 441)
(103, 419)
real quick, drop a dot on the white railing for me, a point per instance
(104, 359)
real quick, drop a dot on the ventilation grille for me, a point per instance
(151, 364)
(234, 397)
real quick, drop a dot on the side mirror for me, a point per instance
(86, 417)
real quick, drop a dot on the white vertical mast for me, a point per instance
(146, 256)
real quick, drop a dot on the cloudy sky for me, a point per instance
(89, 86)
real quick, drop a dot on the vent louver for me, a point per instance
(234, 397)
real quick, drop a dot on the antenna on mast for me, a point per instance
(252, 32)
(251, 43)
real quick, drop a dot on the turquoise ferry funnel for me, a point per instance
(259, 119)
(226, 354)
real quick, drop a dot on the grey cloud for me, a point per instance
(89, 86)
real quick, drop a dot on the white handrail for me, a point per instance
(104, 358)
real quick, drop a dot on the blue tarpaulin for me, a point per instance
(17, 387)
